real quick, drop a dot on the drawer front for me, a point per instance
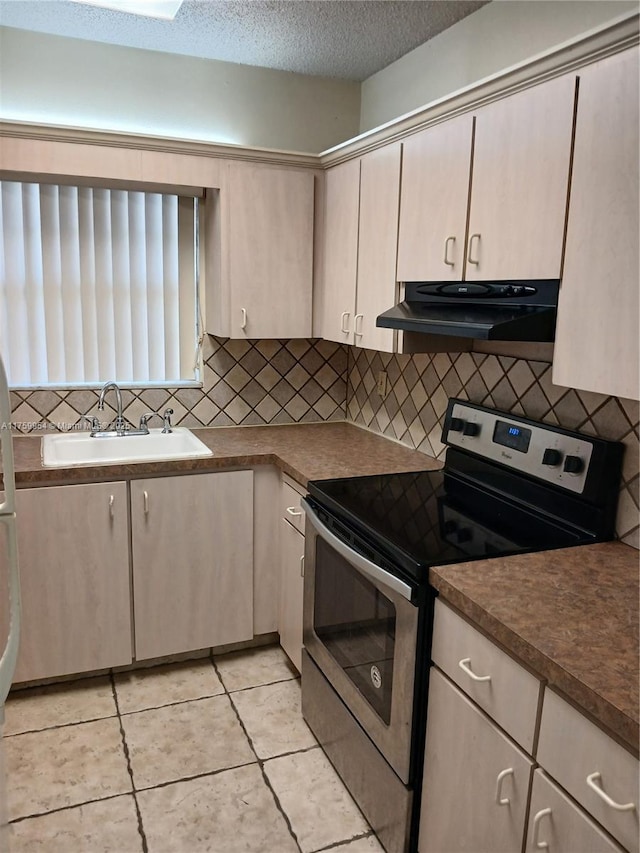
(290, 506)
(498, 684)
(572, 749)
(555, 821)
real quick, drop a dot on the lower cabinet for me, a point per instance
(476, 786)
(192, 546)
(73, 547)
(476, 781)
(192, 558)
(291, 574)
(557, 825)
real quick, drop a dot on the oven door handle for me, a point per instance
(357, 560)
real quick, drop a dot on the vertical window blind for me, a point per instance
(97, 284)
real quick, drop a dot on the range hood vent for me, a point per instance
(489, 311)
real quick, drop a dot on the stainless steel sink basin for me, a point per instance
(63, 450)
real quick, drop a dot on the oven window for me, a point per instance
(357, 625)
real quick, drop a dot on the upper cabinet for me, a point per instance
(597, 330)
(521, 161)
(359, 245)
(259, 253)
(436, 168)
(377, 245)
(339, 252)
(510, 176)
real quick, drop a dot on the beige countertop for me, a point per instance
(571, 615)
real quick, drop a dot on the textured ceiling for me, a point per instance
(347, 39)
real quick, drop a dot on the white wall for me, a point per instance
(498, 35)
(56, 80)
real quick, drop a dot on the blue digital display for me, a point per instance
(517, 438)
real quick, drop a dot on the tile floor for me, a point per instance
(208, 755)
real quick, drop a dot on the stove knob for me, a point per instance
(471, 429)
(464, 535)
(551, 457)
(456, 424)
(573, 465)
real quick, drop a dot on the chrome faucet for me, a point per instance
(119, 423)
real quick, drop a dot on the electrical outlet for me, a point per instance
(382, 383)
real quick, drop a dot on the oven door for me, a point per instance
(361, 629)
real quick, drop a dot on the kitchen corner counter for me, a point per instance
(571, 615)
(303, 451)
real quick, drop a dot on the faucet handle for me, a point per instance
(144, 420)
(93, 422)
(166, 417)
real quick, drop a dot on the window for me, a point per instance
(97, 284)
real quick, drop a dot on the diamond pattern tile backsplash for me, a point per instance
(298, 381)
(412, 411)
(244, 382)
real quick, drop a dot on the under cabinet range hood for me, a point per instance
(489, 311)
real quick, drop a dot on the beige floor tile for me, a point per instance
(165, 685)
(231, 812)
(179, 741)
(360, 845)
(319, 807)
(59, 704)
(273, 718)
(65, 767)
(109, 826)
(254, 667)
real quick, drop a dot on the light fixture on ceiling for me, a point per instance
(164, 9)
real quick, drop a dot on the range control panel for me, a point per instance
(540, 450)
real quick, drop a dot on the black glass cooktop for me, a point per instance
(431, 518)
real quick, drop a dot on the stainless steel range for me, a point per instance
(509, 485)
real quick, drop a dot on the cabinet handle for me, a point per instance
(302, 566)
(358, 330)
(592, 778)
(293, 511)
(145, 501)
(449, 240)
(464, 666)
(471, 260)
(342, 322)
(539, 845)
(500, 800)
(243, 322)
(112, 501)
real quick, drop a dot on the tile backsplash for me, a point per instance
(244, 382)
(419, 387)
(298, 381)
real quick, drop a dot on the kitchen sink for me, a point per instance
(66, 449)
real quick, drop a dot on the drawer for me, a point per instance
(497, 683)
(572, 749)
(555, 821)
(290, 505)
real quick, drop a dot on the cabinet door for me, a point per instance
(557, 825)
(291, 583)
(340, 252)
(192, 562)
(74, 566)
(270, 251)
(519, 188)
(597, 331)
(377, 245)
(470, 765)
(434, 200)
